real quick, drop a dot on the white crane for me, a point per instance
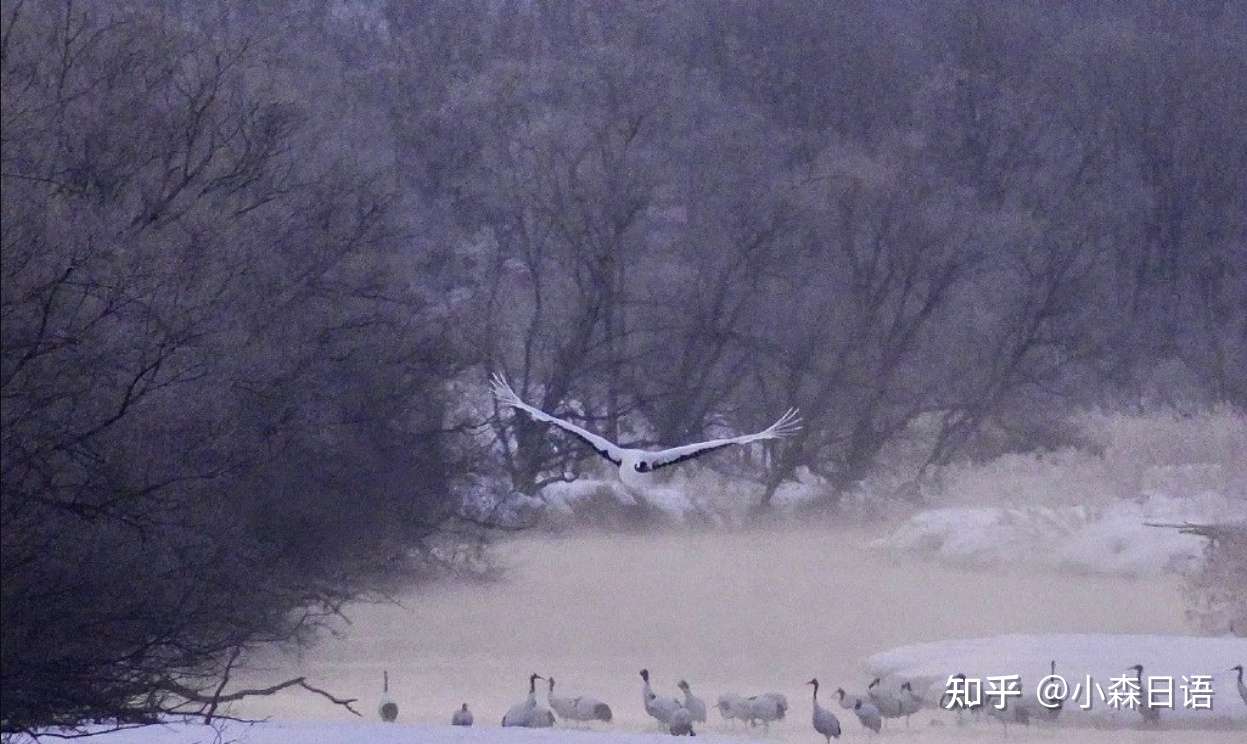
(579, 708)
(564, 706)
(387, 708)
(1011, 707)
(542, 717)
(950, 701)
(846, 700)
(825, 722)
(660, 707)
(888, 702)
(695, 705)
(527, 713)
(462, 717)
(1150, 713)
(635, 464)
(681, 723)
(911, 702)
(767, 707)
(733, 707)
(868, 715)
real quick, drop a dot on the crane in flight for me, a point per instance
(635, 464)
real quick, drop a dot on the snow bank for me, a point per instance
(697, 495)
(1112, 539)
(1102, 656)
(286, 732)
(1161, 452)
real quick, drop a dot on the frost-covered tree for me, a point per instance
(1217, 591)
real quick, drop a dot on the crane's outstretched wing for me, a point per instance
(786, 426)
(601, 445)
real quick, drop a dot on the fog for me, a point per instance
(746, 611)
(261, 261)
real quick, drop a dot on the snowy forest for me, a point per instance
(260, 260)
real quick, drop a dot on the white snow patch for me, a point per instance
(1114, 539)
(567, 497)
(806, 489)
(696, 494)
(699, 494)
(1102, 656)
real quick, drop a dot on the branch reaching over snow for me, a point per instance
(216, 699)
(1222, 531)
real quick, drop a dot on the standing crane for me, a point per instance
(387, 708)
(696, 706)
(527, 713)
(825, 722)
(660, 707)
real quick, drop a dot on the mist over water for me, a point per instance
(291, 288)
(745, 611)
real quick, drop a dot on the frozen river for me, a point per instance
(743, 611)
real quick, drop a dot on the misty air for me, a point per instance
(560, 371)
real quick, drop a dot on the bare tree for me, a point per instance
(219, 421)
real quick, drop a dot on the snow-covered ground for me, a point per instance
(696, 496)
(743, 611)
(1109, 539)
(923, 731)
(307, 732)
(1101, 657)
(730, 610)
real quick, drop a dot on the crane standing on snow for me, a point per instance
(767, 707)
(888, 703)
(579, 708)
(1150, 713)
(462, 717)
(387, 708)
(660, 707)
(733, 707)
(527, 713)
(868, 715)
(911, 702)
(825, 722)
(696, 706)
(846, 701)
(681, 723)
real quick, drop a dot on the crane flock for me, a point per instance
(680, 716)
